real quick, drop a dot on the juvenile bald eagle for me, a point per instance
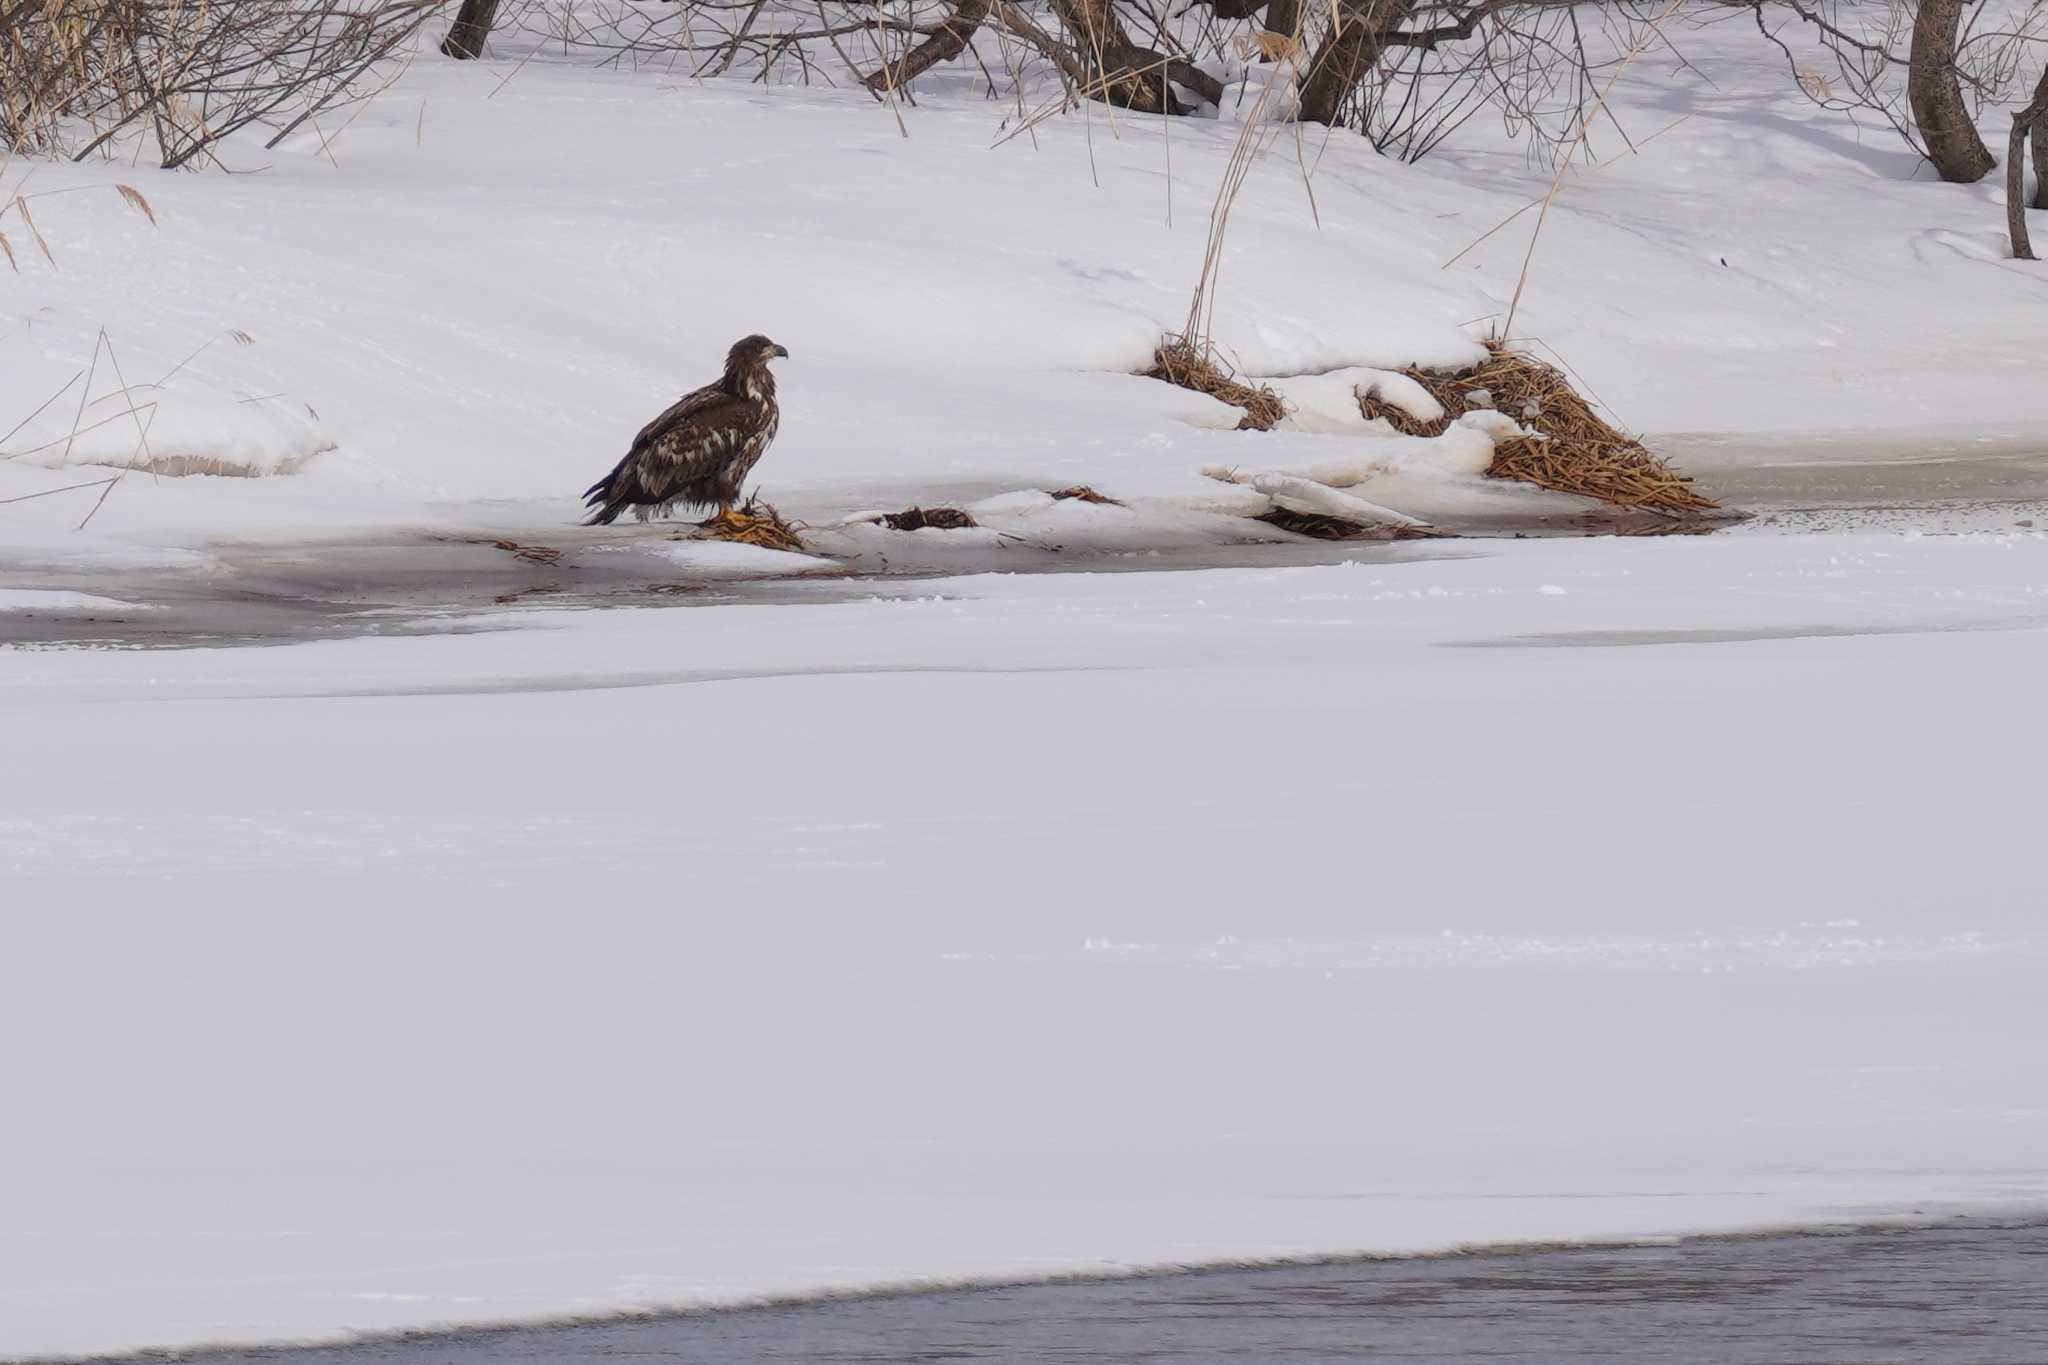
(698, 453)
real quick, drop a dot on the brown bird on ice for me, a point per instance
(699, 452)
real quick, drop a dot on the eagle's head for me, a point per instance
(748, 352)
(746, 367)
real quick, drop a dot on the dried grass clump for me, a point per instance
(1317, 527)
(518, 595)
(1179, 361)
(1081, 492)
(1583, 454)
(935, 518)
(532, 554)
(757, 523)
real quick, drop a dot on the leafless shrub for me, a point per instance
(1870, 48)
(1412, 71)
(1434, 65)
(80, 77)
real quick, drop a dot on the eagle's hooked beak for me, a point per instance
(782, 351)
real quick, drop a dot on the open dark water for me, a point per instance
(1971, 1293)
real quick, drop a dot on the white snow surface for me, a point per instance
(577, 961)
(1501, 890)
(714, 559)
(57, 602)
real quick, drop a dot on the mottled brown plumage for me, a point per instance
(699, 452)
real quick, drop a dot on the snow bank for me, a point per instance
(916, 333)
(1033, 520)
(1403, 480)
(1325, 402)
(730, 559)
(177, 424)
(1400, 390)
(962, 313)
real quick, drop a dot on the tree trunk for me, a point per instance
(949, 42)
(1346, 56)
(1937, 96)
(1093, 27)
(2041, 146)
(465, 40)
(2031, 119)
(1121, 72)
(1284, 18)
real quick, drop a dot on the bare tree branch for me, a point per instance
(948, 42)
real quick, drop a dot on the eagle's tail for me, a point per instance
(599, 496)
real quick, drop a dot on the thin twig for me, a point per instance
(49, 492)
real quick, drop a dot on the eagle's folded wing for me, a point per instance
(703, 402)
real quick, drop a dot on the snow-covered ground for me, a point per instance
(482, 285)
(556, 961)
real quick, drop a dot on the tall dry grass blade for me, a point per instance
(28, 221)
(1243, 152)
(41, 407)
(141, 426)
(1578, 143)
(8, 247)
(1482, 237)
(137, 202)
(91, 370)
(102, 502)
(50, 492)
(78, 431)
(234, 334)
(1633, 149)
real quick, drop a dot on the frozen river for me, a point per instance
(474, 960)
